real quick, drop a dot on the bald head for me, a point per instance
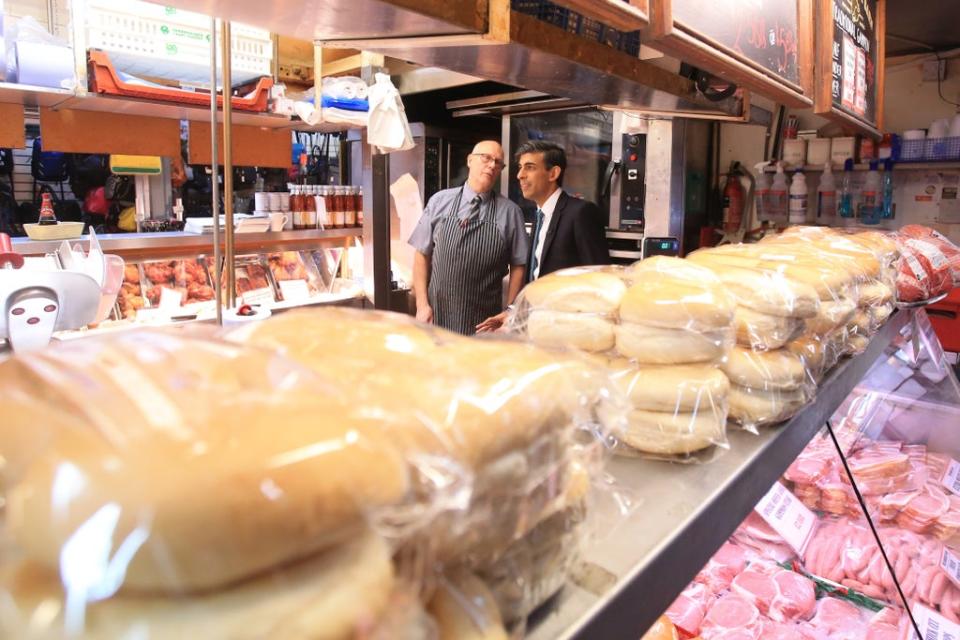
(484, 163)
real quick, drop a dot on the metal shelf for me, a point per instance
(138, 246)
(865, 166)
(684, 514)
(31, 96)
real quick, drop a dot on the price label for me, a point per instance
(294, 290)
(787, 516)
(170, 299)
(950, 564)
(951, 479)
(932, 625)
(258, 296)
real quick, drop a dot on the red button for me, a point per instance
(633, 157)
(18, 311)
(50, 307)
(33, 320)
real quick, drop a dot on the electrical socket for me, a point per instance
(934, 68)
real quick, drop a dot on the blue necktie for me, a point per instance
(536, 240)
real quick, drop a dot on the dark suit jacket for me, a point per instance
(576, 236)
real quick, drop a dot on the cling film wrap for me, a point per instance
(661, 328)
(165, 485)
(180, 485)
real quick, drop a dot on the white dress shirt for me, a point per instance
(547, 209)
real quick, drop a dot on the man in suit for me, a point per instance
(567, 231)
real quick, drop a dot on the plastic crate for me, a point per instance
(945, 319)
(630, 43)
(153, 40)
(549, 12)
(941, 149)
(912, 150)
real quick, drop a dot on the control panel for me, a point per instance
(660, 247)
(633, 180)
(432, 166)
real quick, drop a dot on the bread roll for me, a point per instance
(763, 332)
(856, 344)
(880, 314)
(764, 291)
(653, 345)
(576, 291)
(811, 350)
(672, 293)
(677, 388)
(228, 460)
(764, 369)
(328, 597)
(755, 406)
(875, 293)
(861, 322)
(465, 609)
(832, 314)
(674, 433)
(562, 329)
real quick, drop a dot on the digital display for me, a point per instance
(664, 245)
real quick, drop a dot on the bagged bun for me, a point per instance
(654, 345)
(667, 433)
(673, 293)
(330, 596)
(576, 291)
(677, 388)
(464, 609)
(833, 314)
(755, 406)
(564, 329)
(764, 332)
(765, 369)
(875, 293)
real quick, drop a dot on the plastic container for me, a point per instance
(112, 281)
(794, 153)
(941, 149)
(886, 190)
(778, 196)
(870, 203)
(827, 197)
(59, 231)
(841, 150)
(845, 207)
(818, 151)
(914, 143)
(762, 193)
(798, 199)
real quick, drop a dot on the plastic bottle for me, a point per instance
(827, 197)
(47, 215)
(870, 205)
(761, 190)
(798, 199)
(778, 196)
(886, 211)
(845, 209)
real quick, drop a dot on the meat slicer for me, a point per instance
(36, 302)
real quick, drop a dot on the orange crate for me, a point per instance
(105, 80)
(945, 318)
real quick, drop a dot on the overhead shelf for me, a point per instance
(31, 96)
(138, 246)
(683, 514)
(865, 166)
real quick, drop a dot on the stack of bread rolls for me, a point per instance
(175, 485)
(769, 383)
(662, 326)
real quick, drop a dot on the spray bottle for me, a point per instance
(762, 193)
(870, 204)
(846, 192)
(778, 197)
(887, 190)
(798, 199)
(827, 197)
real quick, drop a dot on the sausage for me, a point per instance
(831, 560)
(925, 581)
(909, 583)
(950, 604)
(876, 569)
(814, 551)
(903, 563)
(938, 586)
(859, 559)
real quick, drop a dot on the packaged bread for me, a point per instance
(493, 420)
(169, 485)
(465, 609)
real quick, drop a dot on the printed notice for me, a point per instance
(860, 94)
(788, 516)
(170, 299)
(950, 564)
(258, 296)
(848, 78)
(294, 290)
(932, 625)
(951, 479)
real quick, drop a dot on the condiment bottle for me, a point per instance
(310, 209)
(359, 199)
(47, 214)
(350, 208)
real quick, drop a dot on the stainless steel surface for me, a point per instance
(179, 244)
(496, 99)
(228, 254)
(663, 206)
(380, 206)
(214, 173)
(329, 20)
(625, 235)
(685, 512)
(922, 303)
(627, 255)
(430, 79)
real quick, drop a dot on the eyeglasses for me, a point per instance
(486, 158)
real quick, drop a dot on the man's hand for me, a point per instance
(425, 314)
(492, 323)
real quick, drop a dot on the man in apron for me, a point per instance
(467, 240)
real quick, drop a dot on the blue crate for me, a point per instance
(573, 22)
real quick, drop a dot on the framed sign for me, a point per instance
(763, 45)
(850, 62)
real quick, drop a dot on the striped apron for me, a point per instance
(468, 265)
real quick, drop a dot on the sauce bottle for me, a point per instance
(47, 214)
(350, 208)
(310, 209)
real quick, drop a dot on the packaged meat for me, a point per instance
(130, 299)
(253, 282)
(295, 275)
(186, 278)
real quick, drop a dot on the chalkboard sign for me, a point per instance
(762, 31)
(762, 45)
(850, 61)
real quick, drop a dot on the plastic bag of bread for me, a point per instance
(164, 485)
(490, 424)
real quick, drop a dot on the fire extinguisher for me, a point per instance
(733, 200)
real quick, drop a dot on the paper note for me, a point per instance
(170, 299)
(787, 516)
(294, 290)
(932, 625)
